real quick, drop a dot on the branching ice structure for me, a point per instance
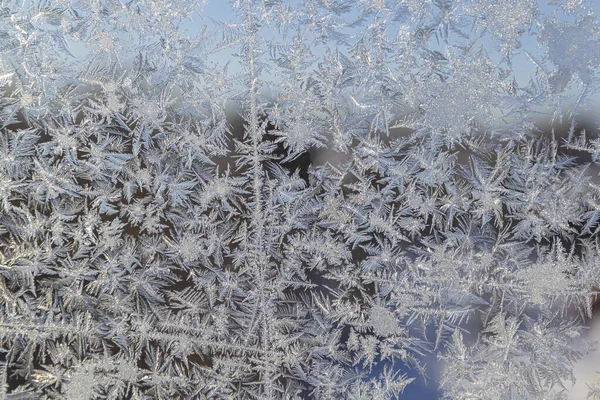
(296, 199)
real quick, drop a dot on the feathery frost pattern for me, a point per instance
(300, 199)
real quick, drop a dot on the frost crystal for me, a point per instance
(383, 321)
(285, 199)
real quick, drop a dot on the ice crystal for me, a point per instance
(296, 199)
